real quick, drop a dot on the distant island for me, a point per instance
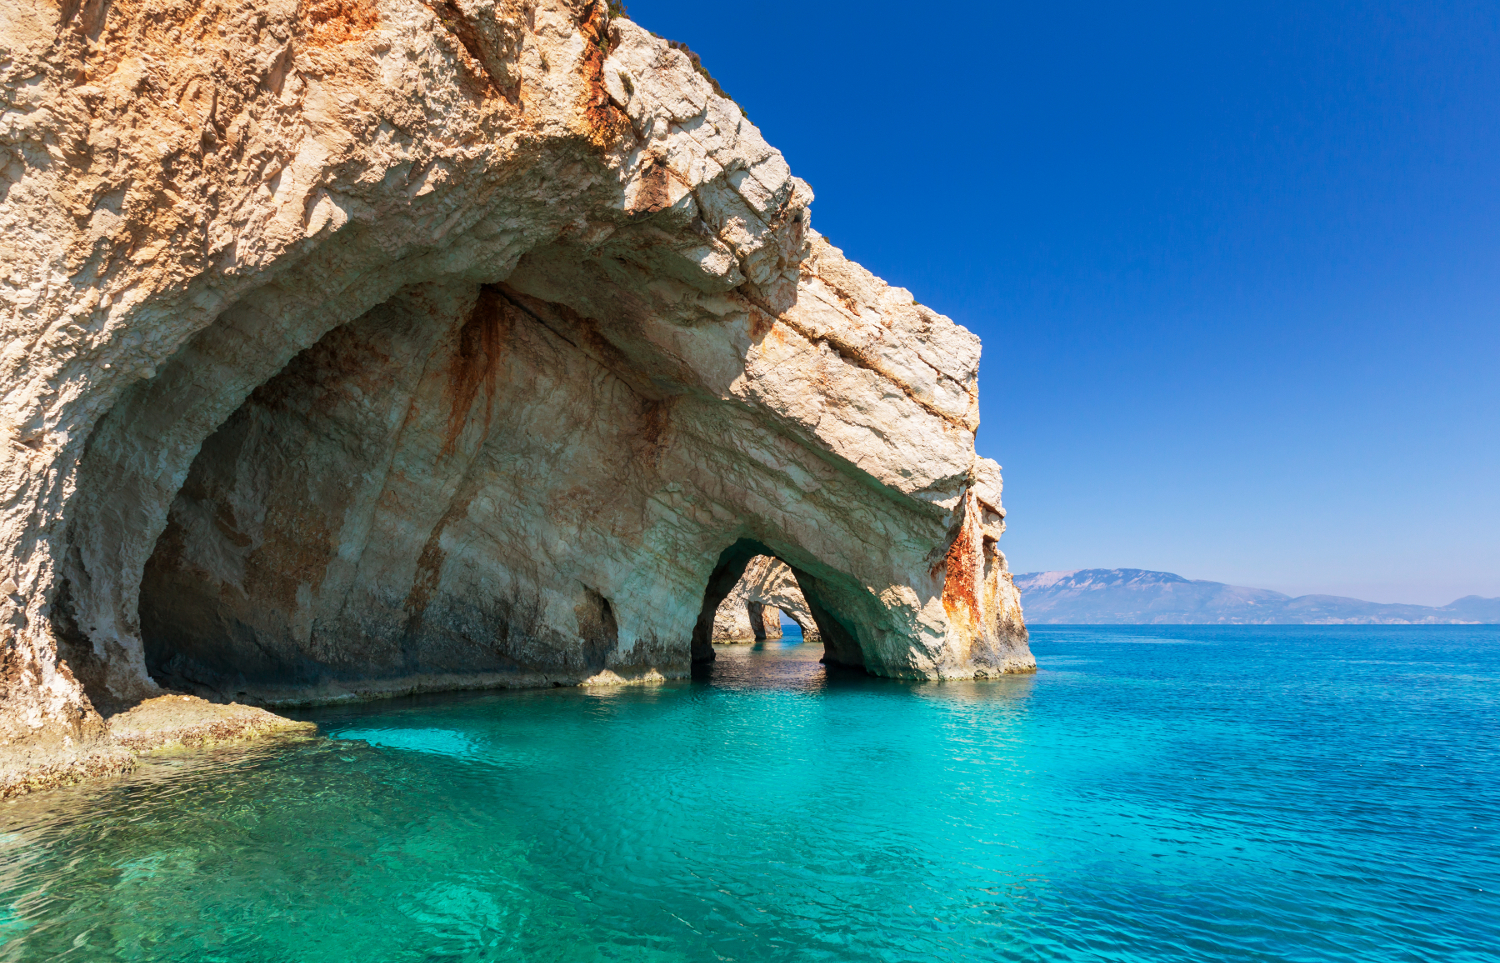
(1133, 596)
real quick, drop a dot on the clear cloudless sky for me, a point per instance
(1236, 265)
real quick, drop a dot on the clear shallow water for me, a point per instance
(1153, 793)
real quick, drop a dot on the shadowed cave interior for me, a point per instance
(840, 646)
(475, 501)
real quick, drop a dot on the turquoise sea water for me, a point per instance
(1153, 793)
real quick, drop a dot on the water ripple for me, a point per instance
(1282, 793)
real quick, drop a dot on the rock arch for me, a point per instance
(752, 611)
(839, 606)
(329, 371)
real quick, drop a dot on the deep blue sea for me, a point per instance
(1152, 793)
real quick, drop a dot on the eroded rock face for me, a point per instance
(752, 611)
(373, 343)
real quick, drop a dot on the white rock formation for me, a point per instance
(741, 622)
(384, 344)
(752, 611)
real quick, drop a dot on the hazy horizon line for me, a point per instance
(1361, 597)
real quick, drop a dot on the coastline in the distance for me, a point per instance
(1133, 596)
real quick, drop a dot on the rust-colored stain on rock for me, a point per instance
(655, 193)
(655, 430)
(761, 323)
(480, 343)
(429, 573)
(962, 575)
(603, 121)
(333, 22)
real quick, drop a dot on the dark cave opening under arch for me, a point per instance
(840, 639)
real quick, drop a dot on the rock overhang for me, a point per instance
(222, 196)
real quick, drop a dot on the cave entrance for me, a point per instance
(765, 600)
(750, 582)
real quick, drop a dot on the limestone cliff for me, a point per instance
(376, 345)
(752, 611)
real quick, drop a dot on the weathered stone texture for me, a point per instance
(354, 344)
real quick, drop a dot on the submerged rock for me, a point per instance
(162, 723)
(361, 347)
(752, 612)
(180, 721)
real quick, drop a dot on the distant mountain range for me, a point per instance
(1133, 596)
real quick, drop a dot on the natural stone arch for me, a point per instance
(842, 610)
(223, 223)
(277, 579)
(139, 454)
(752, 612)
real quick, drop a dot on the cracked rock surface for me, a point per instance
(366, 346)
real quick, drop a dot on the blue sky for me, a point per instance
(1236, 266)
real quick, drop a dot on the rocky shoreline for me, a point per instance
(162, 723)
